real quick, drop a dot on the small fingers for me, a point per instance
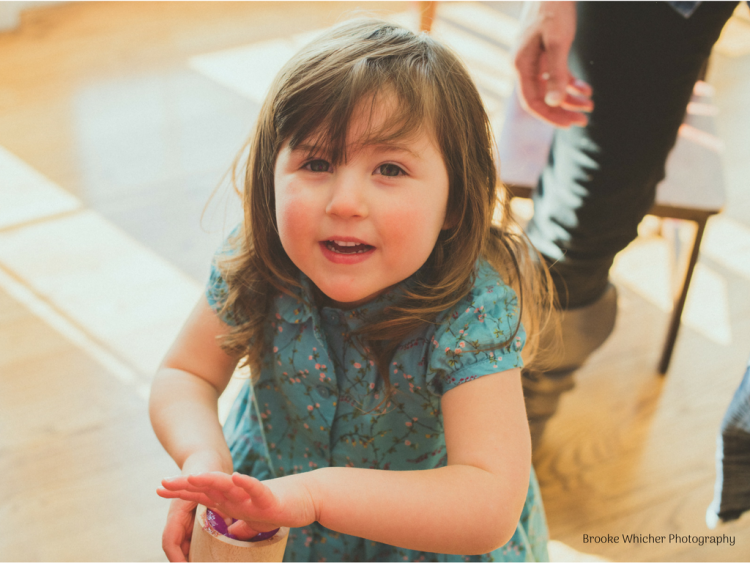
(211, 479)
(190, 483)
(215, 484)
(177, 533)
(174, 483)
(177, 552)
(185, 547)
(259, 493)
(242, 530)
(199, 498)
(205, 484)
(181, 484)
(227, 519)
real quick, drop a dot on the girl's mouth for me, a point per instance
(346, 252)
(342, 247)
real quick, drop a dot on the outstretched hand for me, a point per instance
(547, 88)
(257, 507)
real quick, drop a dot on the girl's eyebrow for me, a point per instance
(378, 147)
(391, 147)
(308, 148)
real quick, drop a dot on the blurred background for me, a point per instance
(119, 123)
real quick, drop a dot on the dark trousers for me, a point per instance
(642, 60)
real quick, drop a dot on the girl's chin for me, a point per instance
(344, 299)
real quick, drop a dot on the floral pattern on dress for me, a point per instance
(317, 403)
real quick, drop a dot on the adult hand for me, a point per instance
(547, 88)
(259, 507)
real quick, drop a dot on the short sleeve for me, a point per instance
(217, 290)
(466, 344)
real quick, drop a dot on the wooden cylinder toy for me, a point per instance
(209, 545)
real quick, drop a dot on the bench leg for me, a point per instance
(679, 305)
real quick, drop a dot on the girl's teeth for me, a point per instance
(338, 246)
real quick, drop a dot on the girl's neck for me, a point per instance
(322, 300)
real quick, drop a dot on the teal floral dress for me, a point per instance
(312, 405)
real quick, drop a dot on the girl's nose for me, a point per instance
(348, 198)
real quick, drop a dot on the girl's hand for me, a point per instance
(175, 540)
(259, 507)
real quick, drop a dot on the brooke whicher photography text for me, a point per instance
(670, 538)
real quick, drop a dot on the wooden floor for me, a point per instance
(118, 120)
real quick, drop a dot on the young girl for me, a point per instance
(377, 308)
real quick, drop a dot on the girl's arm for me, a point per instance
(184, 394)
(183, 409)
(471, 506)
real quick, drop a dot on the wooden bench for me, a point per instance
(693, 189)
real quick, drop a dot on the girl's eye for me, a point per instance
(317, 166)
(390, 170)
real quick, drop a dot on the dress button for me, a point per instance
(323, 391)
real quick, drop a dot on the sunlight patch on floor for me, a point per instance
(247, 70)
(105, 282)
(707, 305)
(645, 267)
(103, 291)
(47, 313)
(26, 195)
(728, 242)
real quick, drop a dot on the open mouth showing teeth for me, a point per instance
(347, 247)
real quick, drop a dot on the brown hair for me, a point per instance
(313, 98)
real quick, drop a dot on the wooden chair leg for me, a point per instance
(426, 15)
(679, 305)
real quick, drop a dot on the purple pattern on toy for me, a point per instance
(220, 526)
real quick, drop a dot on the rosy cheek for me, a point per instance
(290, 226)
(293, 215)
(412, 226)
(396, 222)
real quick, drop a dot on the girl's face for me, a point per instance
(362, 226)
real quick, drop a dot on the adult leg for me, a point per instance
(642, 60)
